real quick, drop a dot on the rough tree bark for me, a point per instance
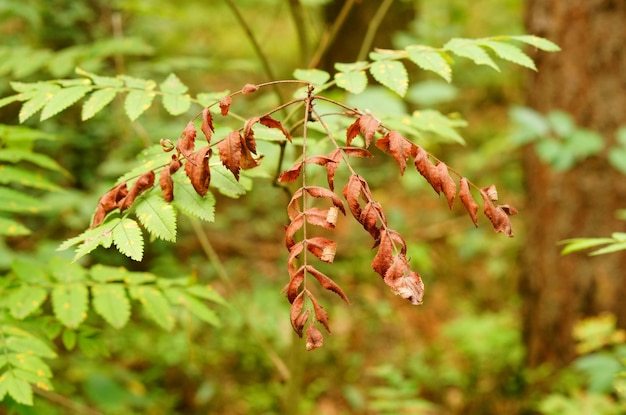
(588, 80)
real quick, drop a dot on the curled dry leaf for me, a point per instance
(352, 193)
(197, 169)
(314, 338)
(327, 283)
(225, 104)
(323, 248)
(291, 175)
(167, 184)
(166, 145)
(427, 169)
(320, 217)
(248, 134)
(448, 186)
(509, 210)
(468, 201)
(295, 311)
(497, 215)
(294, 284)
(369, 218)
(321, 315)
(336, 156)
(207, 124)
(249, 88)
(230, 152)
(143, 183)
(291, 229)
(301, 321)
(490, 192)
(384, 255)
(394, 144)
(294, 251)
(270, 122)
(366, 125)
(108, 202)
(403, 281)
(321, 192)
(186, 143)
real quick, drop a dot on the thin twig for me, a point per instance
(372, 28)
(65, 402)
(329, 37)
(298, 21)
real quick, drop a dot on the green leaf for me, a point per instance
(9, 227)
(580, 244)
(188, 201)
(430, 60)
(25, 300)
(391, 74)
(17, 388)
(617, 159)
(155, 305)
(97, 101)
(30, 346)
(195, 306)
(206, 292)
(137, 102)
(13, 155)
(353, 82)
(92, 238)
(30, 363)
(69, 303)
(18, 202)
(111, 302)
(614, 247)
(10, 174)
(538, 42)
(29, 272)
(10, 99)
(128, 239)
(65, 271)
(469, 48)
(69, 339)
(136, 278)
(435, 122)
(157, 216)
(176, 104)
(316, 77)
(209, 98)
(104, 81)
(138, 83)
(105, 273)
(223, 180)
(173, 85)
(37, 99)
(510, 53)
(63, 99)
(33, 378)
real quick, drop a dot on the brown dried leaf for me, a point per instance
(294, 251)
(186, 143)
(427, 169)
(384, 256)
(292, 228)
(352, 193)
(167, 184)
(448, 186)
(274, 123)
(403, 281)
(509, 210)
(197, 169)
(368, 125)
(249, 88)
(143, 183)
(498, 217)
(398, 147)
(357, 152)
(321, 315)
(225, 104)
(369, 218)
(293, 208)
(247, 159)
(295, 310)
(314, 338)
(174, 164)
(490, 192)
(353, 130)
(230, 152)
(327, 283)
(207, 124)
(323, 248)
(301, 321)
(319, 160)
(468, 201)
(292, 174)
(294, 284)
(108, 202)
(248, 134)
(321, 192)
(319, 217)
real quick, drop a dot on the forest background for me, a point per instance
(508, 325)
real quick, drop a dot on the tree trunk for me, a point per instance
(587, 80)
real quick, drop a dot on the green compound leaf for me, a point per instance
(9, 227)
(137, 102)
(37, 98)
(97, 101)
(128, 239)
(18, 202)
(188, 201)
(63, 99)
(510, 53)
(25, 300)
(430, 60)
(111, 302)
(69, 303)
(17, 388)
(195, 306)
(23, 177)
(468, 48)
(391, 74)
(155, 305)
(157, 216)
(92, 238)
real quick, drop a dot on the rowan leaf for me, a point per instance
(176, 104)
(143, 183)
(197, 169)
(63, 99)
(314, 338)
(354, 82)
(19, 389)
(391, 74)
(97, 101)
(321, 192)
(468, 201)
(321, 217)
(26, 299)
(352, 192)
(154, 303)
(394, 144)
(316, 77)
(157, 216)
(193, 305)
(186, 144)
(207, 124)
(403, 281)
(137, 102)
(498, 217)
(294, 284)
(327, 283)
(249, 89)
(9, 227)
(322, 248)
(293, 227)
(538, 42)
(166, 184)
(36, 99)
(321, 315)
(509, 52)
(295, 311)
(430, 60)
(69, 303)
(230, 152)
(128, 239)
(108, 202)
(270, 122)
(448, 186)
(384, 255)
(369, 218)
(225, 104)
(292, 174)
(469, 48)
(427, 169)
(173, 85)
(110, 302)
(190, 202)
